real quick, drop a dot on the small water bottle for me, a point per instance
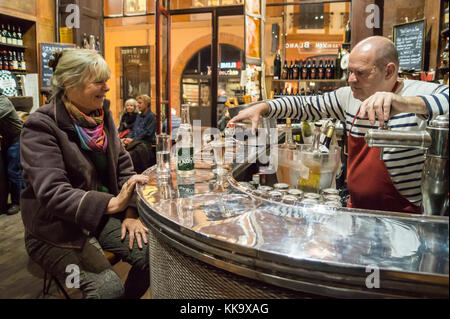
(229, 142)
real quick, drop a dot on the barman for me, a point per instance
(375, 95)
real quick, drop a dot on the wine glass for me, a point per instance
(218, 147)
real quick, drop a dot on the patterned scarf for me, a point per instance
(89, 128)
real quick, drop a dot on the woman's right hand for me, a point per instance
(252, 113)
(120, 202)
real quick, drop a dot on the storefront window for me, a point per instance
(187, 4)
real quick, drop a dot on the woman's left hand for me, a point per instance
(136, 230)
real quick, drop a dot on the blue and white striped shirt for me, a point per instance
(404, 165)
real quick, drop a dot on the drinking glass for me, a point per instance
(163, 155)
(218, 147)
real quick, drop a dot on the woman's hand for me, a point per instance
(136, 230)
(120, 202)
(252, 113)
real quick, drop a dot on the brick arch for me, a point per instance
(186, 55)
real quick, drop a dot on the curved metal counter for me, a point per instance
(235, 244)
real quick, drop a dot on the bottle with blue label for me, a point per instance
(185, 145)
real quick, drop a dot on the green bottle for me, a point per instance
(185, 145)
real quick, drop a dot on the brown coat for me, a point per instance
(61, 204)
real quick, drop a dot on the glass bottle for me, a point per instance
(23, 64)
(329, 134)
(185, 146)
(277, 66)
(313, 72)
(288, 139)
(9, 35)
(320, 70)
(316, 137)
(307, 132)
(14, 36)
(19, 36)
(15, 62)
(3, 34)
(285, 73)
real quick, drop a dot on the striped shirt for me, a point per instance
(404, 165)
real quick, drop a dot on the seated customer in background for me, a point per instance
(10, 128)
(141, 138)
(128, 118)
(80, 183)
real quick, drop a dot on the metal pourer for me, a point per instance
(434, 140)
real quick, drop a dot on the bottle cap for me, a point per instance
(230, 124)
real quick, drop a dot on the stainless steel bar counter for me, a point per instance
(236, 244)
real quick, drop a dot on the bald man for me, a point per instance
(375, 95)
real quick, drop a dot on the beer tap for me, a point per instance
(434, 140)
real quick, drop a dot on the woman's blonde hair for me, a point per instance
(74, 66)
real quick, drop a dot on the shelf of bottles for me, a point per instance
(308, 76)
(443, 57)
(12, 49)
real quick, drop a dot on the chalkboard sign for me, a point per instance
(409, 38)
(45, 54)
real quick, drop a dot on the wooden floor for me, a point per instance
(21, 278)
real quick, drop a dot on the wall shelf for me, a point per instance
(12, 46)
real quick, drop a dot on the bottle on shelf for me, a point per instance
(185, 146)
(277, 65)
(304, 74)
(302, 91)
(313, 72)
(291, 71)
(295, 71)
(3, 34)
(15, 62)
(320, 70)
(97, 44)
(14, 36)
(288, 139)
(308, 68)
(308, 91)
(23, 64)
(19, 37)
(5, 60)
(9, 36)
(348, 32)
(11, 61)
(285, 73)
(338, 70)
(85, 42)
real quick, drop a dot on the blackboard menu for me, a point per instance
(409, 38)
(45, 54)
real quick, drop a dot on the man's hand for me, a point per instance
(383, 105)
(252, 113)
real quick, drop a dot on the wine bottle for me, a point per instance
(329, 134)
(19, 37)
(313, 69)
(304, 70)
(320, 73)
(288, 139)
(277, 66)
(285, 74)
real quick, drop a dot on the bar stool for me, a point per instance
(48, 278)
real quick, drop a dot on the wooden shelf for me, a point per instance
(321, 80)
(13, 46)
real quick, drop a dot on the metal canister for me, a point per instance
(282, 186)
(329, 191)
(245, 184)
(333, 203)
(314, 196)
(265, 189)
(309, 201)
(336, 198)
(275, 194)
(254, 184)
(290, 198)
(255, 178)
(296, 192)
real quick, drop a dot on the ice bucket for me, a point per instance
(307, 170)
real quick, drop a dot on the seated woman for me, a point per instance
(142, 137)
(128, 118)
(79, 179)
